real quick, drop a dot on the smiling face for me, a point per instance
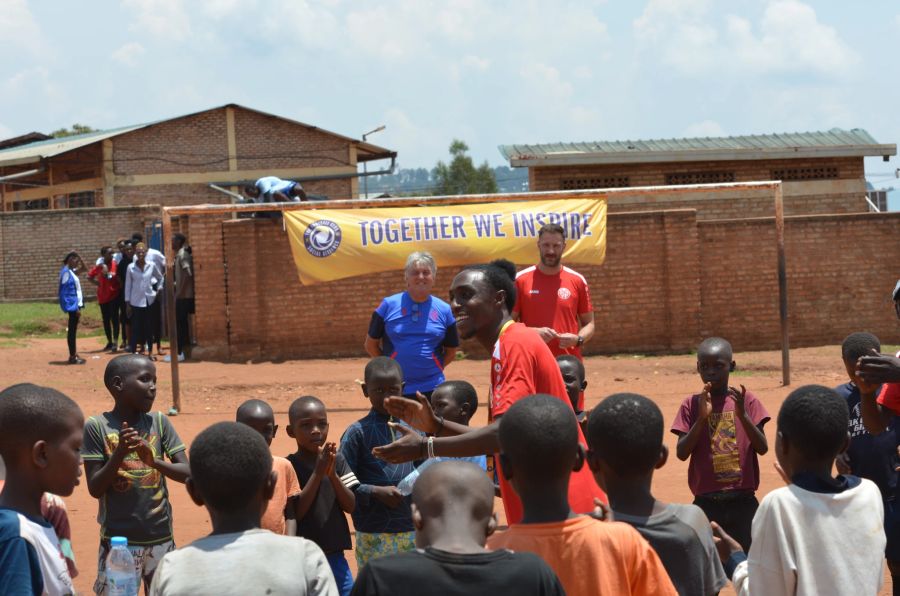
(310, 427)
(419, 281)
(62, 458)
(551, 246)
(136, 389)
(475, 304)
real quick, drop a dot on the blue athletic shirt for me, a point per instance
(415, 335)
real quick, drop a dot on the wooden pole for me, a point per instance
(174, 348)
(782, 288)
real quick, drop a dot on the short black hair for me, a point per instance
(382, 365)
(715, 344)
(463, 392)
(540, 434)
(859, 344)
(500, 275)
(814, 419)
(120, 366)
(31, 413)
(452, 483)
(572, 360)
(626, 431)
(179, 237)
(69, 256)
(301, 402)
(105, 248)
(249, 407)
(229, 464)
(137, 237)
(552, 228)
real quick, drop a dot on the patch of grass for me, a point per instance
(45, 319)
(890, 348)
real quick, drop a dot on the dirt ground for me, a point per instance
(211, 392)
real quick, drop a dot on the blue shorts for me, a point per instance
(341, 570)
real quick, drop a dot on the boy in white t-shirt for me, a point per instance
(41, 447)
(232, 476)
(820, 534)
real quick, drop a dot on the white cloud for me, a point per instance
(706, 128)
(791, 39)
(166, 19)
(788, 38)
(129, 54)
(543, 79)
(18, 29)
(476, 62)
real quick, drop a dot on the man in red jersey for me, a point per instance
(554, 300)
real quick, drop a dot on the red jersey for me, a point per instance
(109, 287)
(522, 365)
(554, 301)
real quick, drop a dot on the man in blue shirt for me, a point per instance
(271, 189)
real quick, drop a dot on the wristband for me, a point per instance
(430, 447)
(580, 341)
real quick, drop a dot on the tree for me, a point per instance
(77, 129)
(461, 176)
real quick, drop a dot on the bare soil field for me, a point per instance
(211, 392)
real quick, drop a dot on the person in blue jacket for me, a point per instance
(71, 299)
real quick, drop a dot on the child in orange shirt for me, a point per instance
(539, 449)
(279, 514)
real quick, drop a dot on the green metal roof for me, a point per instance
(832, 143)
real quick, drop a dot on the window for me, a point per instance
(81, 199)
(682, 178)
(584, 183)
(820, 173)
(31, 205)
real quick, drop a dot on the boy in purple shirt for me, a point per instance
(721, 430)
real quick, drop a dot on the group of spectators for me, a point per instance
(130, 283)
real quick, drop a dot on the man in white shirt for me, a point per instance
(271, 189)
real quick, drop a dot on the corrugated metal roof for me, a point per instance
(33, 152)
(38, 150)
(834, 142)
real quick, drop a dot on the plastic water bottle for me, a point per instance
(121, 578)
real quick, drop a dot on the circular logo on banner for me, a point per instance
(564, 293)
(322, 238)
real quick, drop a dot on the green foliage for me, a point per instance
(45, 319)
(77, 129)
(460, 176)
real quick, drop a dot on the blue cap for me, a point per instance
(118, 541)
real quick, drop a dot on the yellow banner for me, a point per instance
(330, 244)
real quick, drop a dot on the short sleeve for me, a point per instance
(376, 326)
(757, 411)
(684, 419)
(293, 483)
(171, 442)
(451, 337)
(515, 381)
(94, 444)
(343, 471)
(584, 298)
(20, 568)
(889, 397)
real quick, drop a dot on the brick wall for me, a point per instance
(195, 143)
(267, 142)
(844, 194)
(668, 281)
(33, 244)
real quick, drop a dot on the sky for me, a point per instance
(487, 72)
